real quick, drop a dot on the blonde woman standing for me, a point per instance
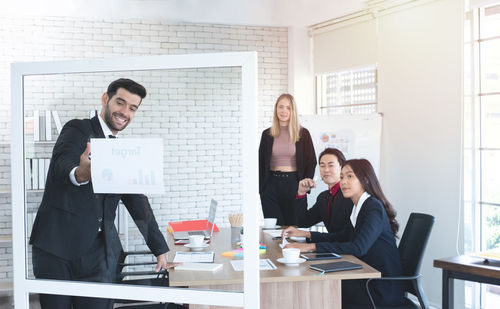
(286, 155)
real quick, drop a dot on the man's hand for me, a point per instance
(163, 264)
(305, 185)
(303, 247)
(293, 231)
(82, 172)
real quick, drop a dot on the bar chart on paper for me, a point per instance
(144, 178)
(127, 165)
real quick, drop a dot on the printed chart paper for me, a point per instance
(264, 264)
(127, 165)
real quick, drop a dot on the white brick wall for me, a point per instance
(195, 111)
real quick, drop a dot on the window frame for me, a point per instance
(474, 150)
(322, 107)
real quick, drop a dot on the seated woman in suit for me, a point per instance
(371, 236)
(331, 206)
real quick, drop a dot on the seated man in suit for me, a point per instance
(74, 236)
(331, 206)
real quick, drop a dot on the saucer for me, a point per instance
(271, 227)
(297, 262)
(196, 248)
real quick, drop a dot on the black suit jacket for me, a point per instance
(373, 242)
(69, 216)
(340, 211)
(304, 154)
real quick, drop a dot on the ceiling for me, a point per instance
(296, 13)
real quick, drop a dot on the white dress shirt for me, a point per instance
(356, 208)
(107, 132)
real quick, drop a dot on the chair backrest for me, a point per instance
(413, 242)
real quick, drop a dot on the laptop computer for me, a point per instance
(209, 228)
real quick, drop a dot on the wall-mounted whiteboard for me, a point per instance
(357, 136)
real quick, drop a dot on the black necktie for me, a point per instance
(111, 136)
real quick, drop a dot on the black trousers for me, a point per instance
(91, 267)
(278, 197)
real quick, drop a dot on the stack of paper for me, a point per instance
(193, 257)
(264, 264)
(199, 266)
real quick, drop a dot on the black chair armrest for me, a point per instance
(399, 278)
(144, 273)
(138, 264)
(137, 252)
(396, 278)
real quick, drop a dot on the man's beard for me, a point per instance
(109, 121)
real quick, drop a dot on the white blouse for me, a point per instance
(356, 208)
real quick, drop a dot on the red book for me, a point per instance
(189, 225)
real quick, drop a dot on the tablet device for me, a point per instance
(320, 256)
(335, 266)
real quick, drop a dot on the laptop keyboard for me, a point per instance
(197, 233)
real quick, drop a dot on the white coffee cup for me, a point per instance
(291, 254)
(196, 240)
(270, 222)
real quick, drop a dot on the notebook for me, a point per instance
(209, 227)
(335, 266)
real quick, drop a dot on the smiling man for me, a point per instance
(74, 236)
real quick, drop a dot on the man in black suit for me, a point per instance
(74, 236)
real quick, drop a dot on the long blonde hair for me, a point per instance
(293, 124)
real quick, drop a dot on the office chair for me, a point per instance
(147, 277)
(411, 250)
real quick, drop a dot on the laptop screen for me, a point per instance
(211, 217)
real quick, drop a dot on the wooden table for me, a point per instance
(468, 268)
(287, 287)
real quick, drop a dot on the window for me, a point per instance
(351, 91)
(481, 143)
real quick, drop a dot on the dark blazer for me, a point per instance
(69, 216)
(373, 242)
(304, 153)
(340, 211)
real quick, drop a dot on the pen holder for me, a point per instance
(235, 234)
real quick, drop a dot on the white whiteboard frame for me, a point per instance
(250, 298)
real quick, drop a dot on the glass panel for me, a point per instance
(491, 296)
(468, 233)
(491, 226)
(490, 22)
(490, 66)
(490, 121)
(197, 113)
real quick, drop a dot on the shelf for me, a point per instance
(29, 142)
(40, 142)
(6, 288)
(4, 239)
(8, 191)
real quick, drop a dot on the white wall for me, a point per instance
(301, 77)
(235, 12)
(419, 56)
(420, 95)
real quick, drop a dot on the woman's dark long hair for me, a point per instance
(363, 170)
